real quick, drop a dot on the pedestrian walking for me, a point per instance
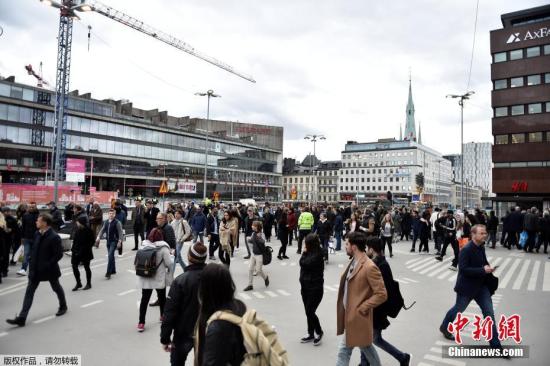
(415, 229)
(57, 216)
(406, 224)
(283, 233)
(139, 223)
(305, 225)
(292, 223)
(28, 230)
(112, 229)
(150, 216)
(361, 290)
(339, 229)
(182, 307)
(544, 226)
(256, 261)
(182, 231)
(14, 236)
(311, 281)
(387, 230)
(473, 283)
(249, 219)
(449, 227)
(167, 230)
(161, 279)
(530, 224)
(82, 252)
(213, 232)
(228, 231)
(198, 224)
(268, 223)
(324, 232)
(424, 230)
(5, 245)
(46, 252)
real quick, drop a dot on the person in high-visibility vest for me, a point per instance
(305, 224)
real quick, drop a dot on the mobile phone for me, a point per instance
(495, 267)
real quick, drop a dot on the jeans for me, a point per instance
(338, 236)
(27, 244)
(303, 234)
(311, 299)
(145, 297)
(214, 244)
(493, 238)
(483, 299)
(414, 239)
(138, 232)
(198, 235)
(344, 354)
(386, 346)
(32, 285)
(256, 263)
(180, 351)
(178, 258)
(386, 240)
(111, 248)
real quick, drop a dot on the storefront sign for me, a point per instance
(16, 193)
(520, 186)
(75, 170)
(186, 187)
(529, 35)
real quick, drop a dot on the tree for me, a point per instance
(419, 182)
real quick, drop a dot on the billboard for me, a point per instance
(76, 169)
(186, 187)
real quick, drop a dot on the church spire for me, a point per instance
(410, 125)
(419, 133)
(400, 132)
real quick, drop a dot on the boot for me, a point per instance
(78, 285)
(16, 321)
(87, 287)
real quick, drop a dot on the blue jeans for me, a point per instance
(483, 299)
(338, 236)
(344, 354)
(111, 248)
(199, 235)
(27, 244)
(388, 347)
(178, 258)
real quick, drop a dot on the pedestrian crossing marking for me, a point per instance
(436, 350)
(45, 319)
(293, 263)
(504, 264)
(283, 263)
(410, 280)
(3, 334)
(508, 277)
(271, 293)
(534, 275)
(546, 278)
(434, 266)
(453, 277)
(340, 265)
(126, 292)
(444, 360)
(258, 295)
(440, 269)
(283, 292)
(424, 364)
(91, 304)
(330, 288)
(495, 262)
(443, 275)
(410, 262)
(443, 343)
(244, 296)
(521, 276)
(422, 265)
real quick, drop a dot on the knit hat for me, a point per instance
(197, 253)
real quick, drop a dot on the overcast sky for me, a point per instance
(338, 68)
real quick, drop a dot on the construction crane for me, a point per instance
(68, 9)
(40, 80)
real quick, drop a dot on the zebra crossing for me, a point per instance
(266, 294)
(515, 272)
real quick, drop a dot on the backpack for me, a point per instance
(395, 301)
(260, 340)
(267, 256)
(145, 262)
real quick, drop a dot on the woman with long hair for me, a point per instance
(387, 229)
(352, 224)
(84, 239)
(222, 343)
(282, 232)
(311, 281)
(227, 230)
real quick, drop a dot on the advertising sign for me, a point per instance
(186, 187)
(75, 170)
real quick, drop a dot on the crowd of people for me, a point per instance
(197, 308)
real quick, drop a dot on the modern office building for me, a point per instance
(134, 150)
(520, 73)
(472, 196)
(477, 167)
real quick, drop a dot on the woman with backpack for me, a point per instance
(161, 278)
(311, 281)
(257, 259)
(84, 239)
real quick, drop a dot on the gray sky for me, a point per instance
(325, 66)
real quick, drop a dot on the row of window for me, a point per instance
(519, 81)
(350, 180)
(521, 109)
(380, 171)
(520, 138)
(523, 164)
(521, 53)
(376, 155)
(327, 173)
(373, 188)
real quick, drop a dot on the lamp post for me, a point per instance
(461, 99)
(209, 94)
(314, 139)
(232, 182)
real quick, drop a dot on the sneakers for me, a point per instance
(267, 281)
(279, 258)
(62, 310)
(19, 321)
(246, 257)
(21, 272)
(307, 339)
(317, 340)
(248, 288)
(446, 333)
(119, 255)
(108, 276)
(140, 327)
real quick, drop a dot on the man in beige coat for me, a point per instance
(361, 290)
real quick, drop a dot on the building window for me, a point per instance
(362, 188)
(547, 107)
(518, 110)
(518, 138)
(516, 54)
(533, 51)
(534, 108)
(501, 111)
(547, 49)
(500, 57)
(535, 137)
(501, 84)
(533, 80)
(501, 139)
(516, 82)
(547, 78)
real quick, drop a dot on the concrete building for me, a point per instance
(520, 73)
(478, 165)
(300, 186)
(133, 150)
(327, 177)
(472, 196)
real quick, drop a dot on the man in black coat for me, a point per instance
(515, 227)
(139, 223)
(213, 232)
(45, 254)
(150, 217)
(472, 283)
(182, 307)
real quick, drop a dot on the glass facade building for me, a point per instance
(133, 150)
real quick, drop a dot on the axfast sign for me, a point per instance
(528, 35)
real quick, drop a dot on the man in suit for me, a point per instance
(471, 283)
(213, 232)
(46, 251)
(139, 223)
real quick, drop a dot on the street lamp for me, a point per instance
(313, 138)
(461, 99)
(209, 94)
(232, 181)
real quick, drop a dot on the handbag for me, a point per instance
(491, 281)
(523, 238)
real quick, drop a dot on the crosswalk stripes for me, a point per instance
(412, 261)
(419, 264)
(546, 278)
(265, 294)
(434, 266)
(283, 292)
(521, 276)
(534, 275)
(427, 263)
(508, 277)
(271, 294)
(244, 296)
(330, 288)
(502, 266)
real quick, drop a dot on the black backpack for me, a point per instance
(267, 256)
(145, 262)
(395, 301)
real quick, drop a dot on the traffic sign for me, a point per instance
(163, 188)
